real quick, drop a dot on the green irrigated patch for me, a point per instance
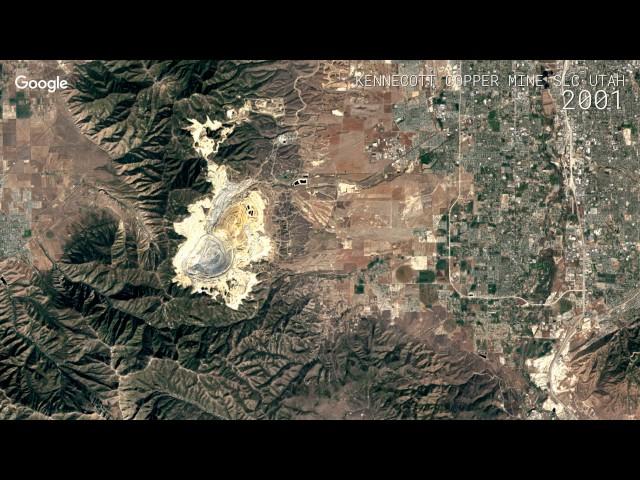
(23, 106)
(426, 158)
(565, 305)
(494, 122)
(426, 276)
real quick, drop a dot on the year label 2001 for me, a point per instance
(601, 99)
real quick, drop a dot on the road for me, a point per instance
(569, 149)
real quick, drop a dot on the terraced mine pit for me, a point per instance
(225, 232)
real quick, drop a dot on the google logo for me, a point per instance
(50, 85)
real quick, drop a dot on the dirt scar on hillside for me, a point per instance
(225, 231)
